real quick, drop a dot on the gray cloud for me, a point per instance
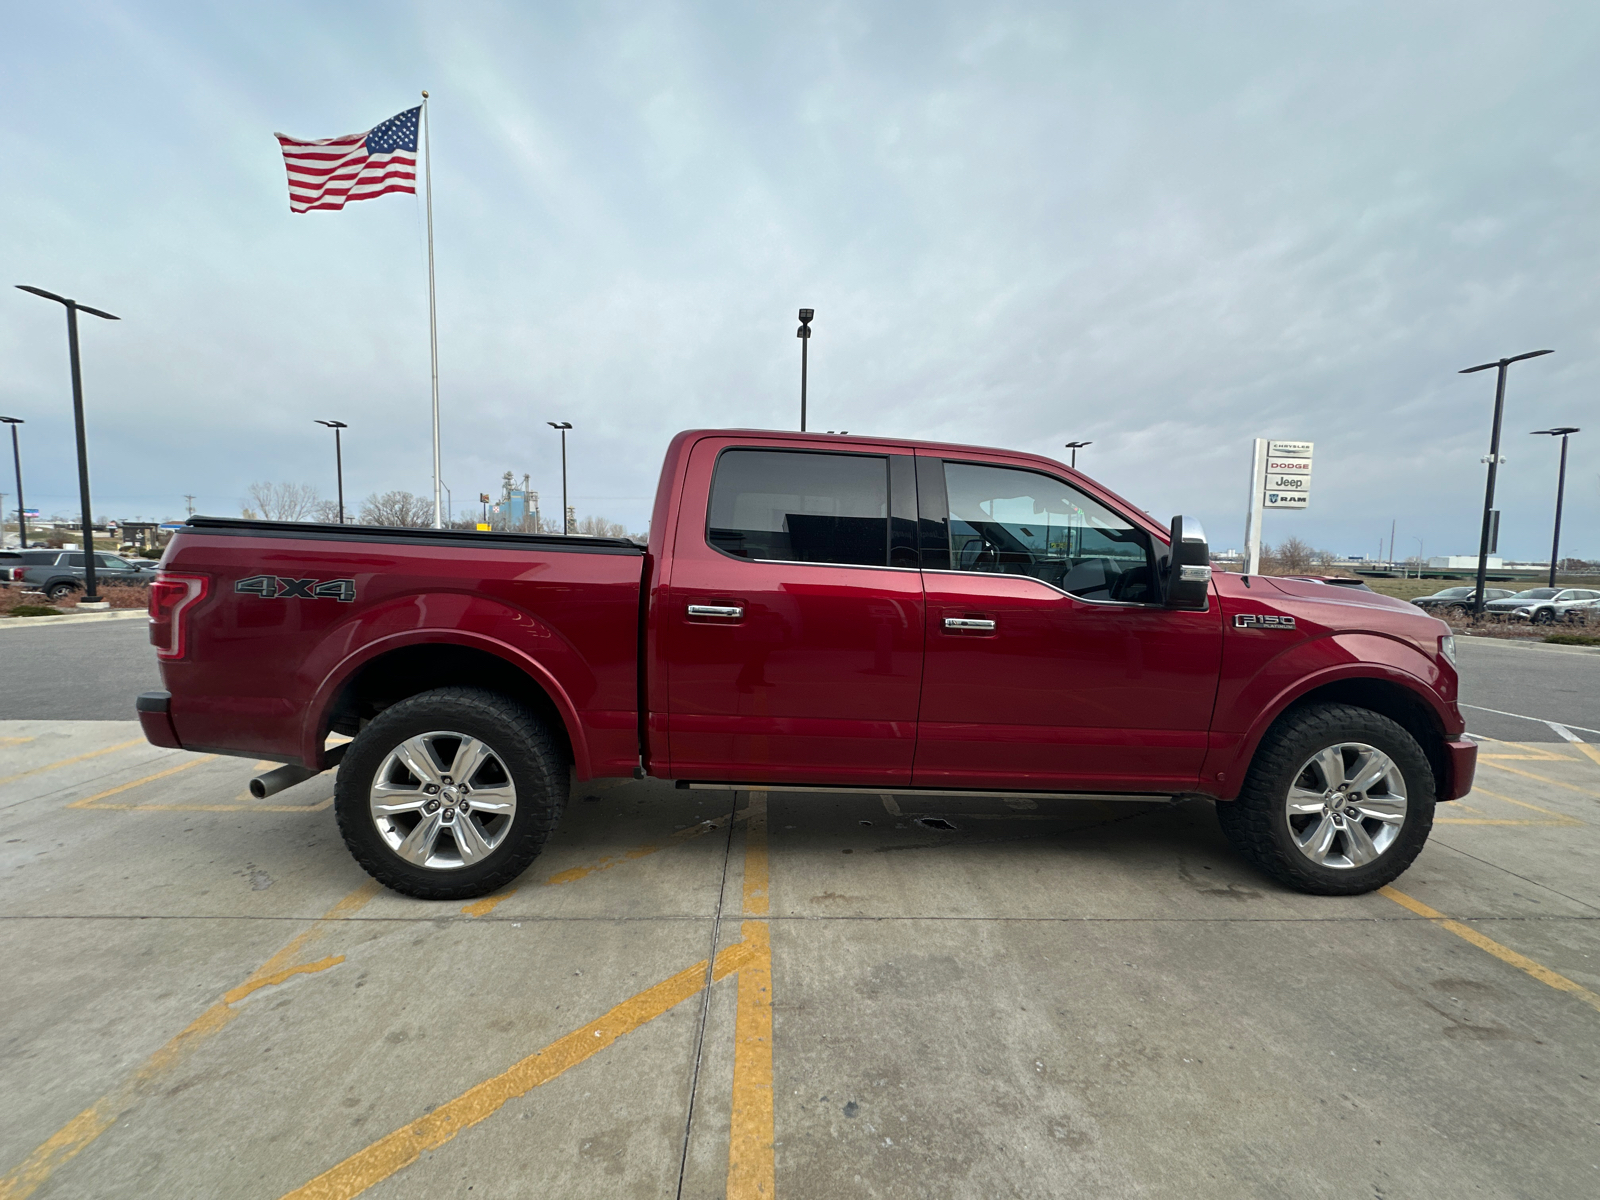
(1168, 229)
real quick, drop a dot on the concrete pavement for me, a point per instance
(1039, 1001)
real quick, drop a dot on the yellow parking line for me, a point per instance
(405, 1145)
(1589, 751)
(14, 741)
(1571, 787)
(89, 802)
(217, 808)
(67, 762)
(1504, 953)
(751, 1170)
(70, 1140)
(482, 908)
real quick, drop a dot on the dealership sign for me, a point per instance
(1287, 483)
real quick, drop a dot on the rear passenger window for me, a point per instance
(797, 506)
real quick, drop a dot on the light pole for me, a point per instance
(566, 516)
(1075, 447)
(16, 458)
(1561, 431)
(338, 458)
(1494, 465)
(91, 595)
(1420, 562)
(804, 334)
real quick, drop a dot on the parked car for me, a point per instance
(812, 613)
(63, 571)
(1458, 601)
(14, 565)
(1543, 606)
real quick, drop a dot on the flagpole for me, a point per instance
(433, 314)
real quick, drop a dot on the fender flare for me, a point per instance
(312, 733)
(1234, 763)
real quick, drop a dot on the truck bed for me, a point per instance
(365, 612)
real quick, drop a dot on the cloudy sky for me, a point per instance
(1165, 228)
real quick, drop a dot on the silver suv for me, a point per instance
(1544, 606)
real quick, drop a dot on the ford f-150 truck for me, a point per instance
(812, 613)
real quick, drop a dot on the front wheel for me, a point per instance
(1339, 801)
(450, 794)
(1545, 616)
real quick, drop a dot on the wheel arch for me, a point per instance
(1401, 697)
(393, 669)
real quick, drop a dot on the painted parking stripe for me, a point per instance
(751, 1168)
(1504, 953)
(405, 1145)
(73, 1137)
(67, 762)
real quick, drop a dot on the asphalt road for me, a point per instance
(88, 671)
(92, 672)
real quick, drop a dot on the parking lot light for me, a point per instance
(1561, 431)
(16, 457)
(1494, 464)
(566, 513)
(338, 458)
(1075, 447)
(91, 595)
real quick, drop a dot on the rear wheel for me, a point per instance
(450, 794)
(59, 591)
(1339, 801)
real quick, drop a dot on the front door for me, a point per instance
(1050, 663)
(791, 628)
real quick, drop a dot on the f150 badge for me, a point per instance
(1262, 621)
(279, 587)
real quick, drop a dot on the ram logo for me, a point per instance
(279, 587)
(1262, 621)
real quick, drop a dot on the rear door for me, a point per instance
(1050, 663)
(790, 621)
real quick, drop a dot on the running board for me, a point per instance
(1139, 798)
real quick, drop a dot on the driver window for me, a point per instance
(1009, 522)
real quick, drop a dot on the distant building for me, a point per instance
(1463, 562)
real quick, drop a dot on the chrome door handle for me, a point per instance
(716, 610)
(975, 623)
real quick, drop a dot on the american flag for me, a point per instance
(359, 166)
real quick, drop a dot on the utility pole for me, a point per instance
(16, 457)
(1494, 464)
(804, 334)
(189, 500)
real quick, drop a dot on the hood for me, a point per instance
(1302, 589)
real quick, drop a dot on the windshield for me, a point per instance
(1452, 593)
(1535, 594)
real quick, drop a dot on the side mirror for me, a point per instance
(1188, 576)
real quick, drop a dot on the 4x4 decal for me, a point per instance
(278, 587)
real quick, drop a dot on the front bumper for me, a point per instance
(1463, 767)
(156, 720)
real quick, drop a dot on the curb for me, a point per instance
(1529, 643)
(116, 614)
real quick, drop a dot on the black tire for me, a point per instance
(1260, 828)
(523, 751)
(59, 591)
(1544, 616)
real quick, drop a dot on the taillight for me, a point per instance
(171, 596)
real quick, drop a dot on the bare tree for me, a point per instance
(328, 512)
(282, 501)
(404, 509)
(1289, 557)
(600, 527)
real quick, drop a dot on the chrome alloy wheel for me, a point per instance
(1346, 805)
(443, 800)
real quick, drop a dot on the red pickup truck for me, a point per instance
(813, 613)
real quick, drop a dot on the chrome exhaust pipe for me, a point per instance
(274, 782)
